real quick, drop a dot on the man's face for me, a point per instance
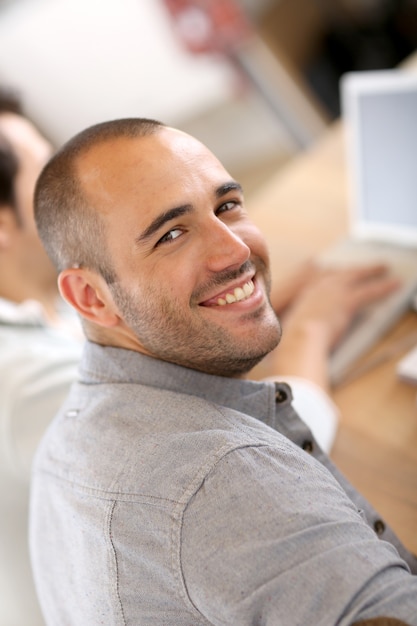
(193, 274)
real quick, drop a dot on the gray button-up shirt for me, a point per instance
(166, 496)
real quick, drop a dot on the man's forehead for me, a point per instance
(151, 173)
(143, 157)
(163, 140)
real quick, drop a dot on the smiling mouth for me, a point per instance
(236, 295)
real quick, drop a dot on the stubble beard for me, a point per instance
(163, 330)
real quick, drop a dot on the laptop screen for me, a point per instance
(380, 114)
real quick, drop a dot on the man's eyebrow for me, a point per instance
(161, 219)
(226, 187)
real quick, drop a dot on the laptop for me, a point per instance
(380, 119)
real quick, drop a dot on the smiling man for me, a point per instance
(187, 279)
(169, 489)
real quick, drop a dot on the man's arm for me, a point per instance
(271, 537)
(318, 315)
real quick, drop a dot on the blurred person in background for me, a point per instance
(40, 344)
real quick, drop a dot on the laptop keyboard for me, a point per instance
(375, 320)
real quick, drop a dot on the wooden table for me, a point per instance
(302, 210)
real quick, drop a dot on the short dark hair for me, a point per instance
(9, 163)
(71, 231)
(9, 167)
(10, 101)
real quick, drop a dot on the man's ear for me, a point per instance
(88, 293)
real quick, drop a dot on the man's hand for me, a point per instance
(332, 299)
(320, 312)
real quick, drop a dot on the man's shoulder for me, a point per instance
(135, 439)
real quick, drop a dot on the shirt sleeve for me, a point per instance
(315, 408)
(271, 538)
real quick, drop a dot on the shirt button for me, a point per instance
(280, 396)
(379, 526)
(308, 445)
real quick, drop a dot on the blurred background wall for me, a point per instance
(77, 62)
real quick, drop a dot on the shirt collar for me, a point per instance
(104, 364)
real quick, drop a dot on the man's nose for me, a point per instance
(225, 248)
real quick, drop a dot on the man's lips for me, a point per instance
(231, 295)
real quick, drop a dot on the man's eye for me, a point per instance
(227, 206)
(170, 235)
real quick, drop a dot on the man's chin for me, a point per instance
(238, 365)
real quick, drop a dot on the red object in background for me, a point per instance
(208, 25)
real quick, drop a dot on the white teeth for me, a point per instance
(240, 293)
(248, 288)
